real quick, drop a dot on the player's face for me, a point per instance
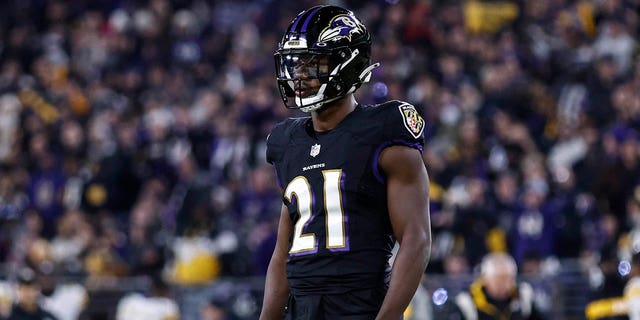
(307, 69)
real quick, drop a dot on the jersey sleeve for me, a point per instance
(276, 145)
(403, 125)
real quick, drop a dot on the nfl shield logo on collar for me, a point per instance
(315, 150)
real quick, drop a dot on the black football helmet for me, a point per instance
(324, 55)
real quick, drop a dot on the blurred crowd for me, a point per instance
(132, 133)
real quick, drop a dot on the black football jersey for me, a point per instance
(336, 195)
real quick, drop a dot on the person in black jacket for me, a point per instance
(496, 293)
(28, 293)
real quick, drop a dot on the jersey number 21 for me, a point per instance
(305, 243)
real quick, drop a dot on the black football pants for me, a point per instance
(353, 305)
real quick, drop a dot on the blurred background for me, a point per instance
(132, 141)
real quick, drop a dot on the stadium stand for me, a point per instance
(132, 138)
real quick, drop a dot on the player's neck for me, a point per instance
(328, 118)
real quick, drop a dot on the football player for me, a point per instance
(353, 178)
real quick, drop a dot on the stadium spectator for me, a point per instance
(496, 293)
(631, 289)
(27, 304)
(623, 306)
(157, 303)
(7, 296)
(65, 300)
(213, 310)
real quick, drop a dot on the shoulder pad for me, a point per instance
(403, 123)
(410, 118)
(278, 139)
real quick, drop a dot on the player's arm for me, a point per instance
(408, 200)
(276, 288)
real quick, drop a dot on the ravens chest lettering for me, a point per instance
(337, 151)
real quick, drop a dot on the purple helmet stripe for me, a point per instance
(306, 22)
(295, 23)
